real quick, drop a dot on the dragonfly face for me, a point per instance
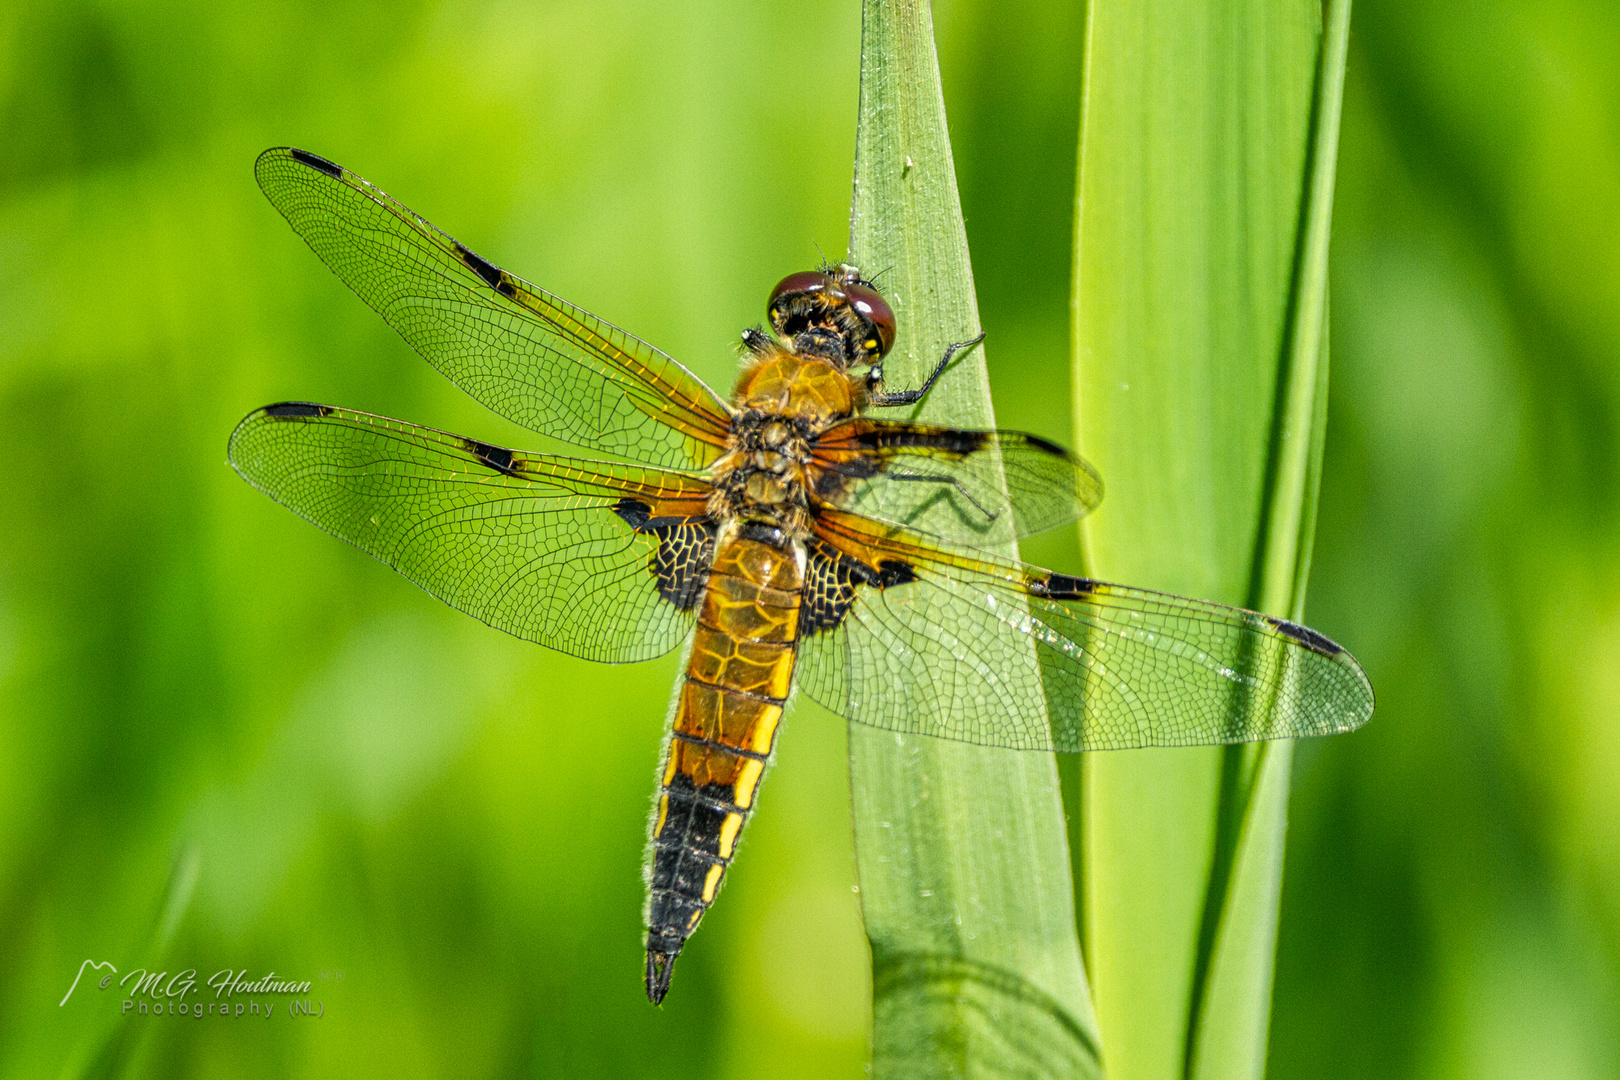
(834, 313)
(792, 539)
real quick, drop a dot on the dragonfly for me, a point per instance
(785, 536)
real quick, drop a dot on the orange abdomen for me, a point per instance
(722, 732)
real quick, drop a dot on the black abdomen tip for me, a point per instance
(660, 966)
(320, 164)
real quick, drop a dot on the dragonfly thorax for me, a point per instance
(762, 476)
(793, 385)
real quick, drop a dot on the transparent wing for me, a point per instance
(961, 646)
(522, 352)
(536, 545)
(950, 483)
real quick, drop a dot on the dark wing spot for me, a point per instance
(829, 589)
(1063, 587)
(633, 511)
(829, 585)
(496, 457)
(891, 572)
(320, 164)
(483, 268)
(1307, 637)
(681, 563)
(965, 442)
(286, 410)
(638, 515)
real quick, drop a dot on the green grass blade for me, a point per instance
(1207, 153)
(112, 1043)
(962, 851)
(1232, 989)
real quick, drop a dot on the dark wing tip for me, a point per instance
(281, 411)
(1047, 446)
(296, 410)
(1087, 482)
(314, 161)
(1307, 637)
(1359, 706)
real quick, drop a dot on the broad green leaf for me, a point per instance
(961, 850)
(1208, 137)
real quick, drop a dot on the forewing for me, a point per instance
(948, 654)
(540, 546)
(981, 488)
(522, 352)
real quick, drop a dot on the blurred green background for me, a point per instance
(227, 740)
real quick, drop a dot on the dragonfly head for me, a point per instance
(834, 314)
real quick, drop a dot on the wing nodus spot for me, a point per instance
(297, 410)
(1307, 637)
(318, 163)
(488, 271)
(498, 458)
(1063, 587)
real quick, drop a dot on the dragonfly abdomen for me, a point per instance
(722, 732)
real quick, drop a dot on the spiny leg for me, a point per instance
(874, 379)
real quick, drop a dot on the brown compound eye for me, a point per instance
(876, 311)
(805, 281)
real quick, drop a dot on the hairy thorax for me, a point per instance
(784, 401)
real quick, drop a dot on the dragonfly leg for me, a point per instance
(874, 378)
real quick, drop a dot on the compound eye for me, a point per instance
(876, 311)
(805, 281)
